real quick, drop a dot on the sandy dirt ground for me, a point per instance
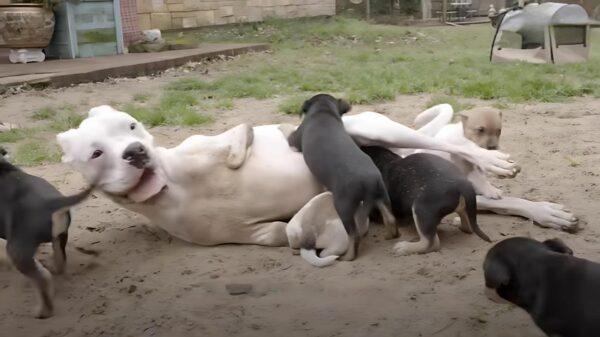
(142, 283)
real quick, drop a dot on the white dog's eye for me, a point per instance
(480, 129)
(132, 126)
(97, 154)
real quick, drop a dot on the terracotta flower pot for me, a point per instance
(25, 26)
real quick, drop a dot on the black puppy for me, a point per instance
(339, 164)
(32, 212)
(427, 188)
(560, 292)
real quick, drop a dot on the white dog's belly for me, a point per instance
(272, 185)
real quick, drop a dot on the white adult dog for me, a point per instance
(435, 122)
(236, 187)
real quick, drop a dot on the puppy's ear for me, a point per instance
(306, 105)
(343, 106)
(100, 110)
(496, 273)
(464, 116)
(557, 245)
(65, 140)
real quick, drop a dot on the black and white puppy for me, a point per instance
(560, 292)
(427, 188)
(339, 164)
(32, 211)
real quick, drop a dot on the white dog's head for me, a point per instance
(124, 146)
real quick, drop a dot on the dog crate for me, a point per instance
(87, 28)
(542, 33)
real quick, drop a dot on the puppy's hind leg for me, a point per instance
(389, 221)
(346, 207)
(426, 223)
(21, 253)
(60, 236)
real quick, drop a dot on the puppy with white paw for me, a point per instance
(318, 226)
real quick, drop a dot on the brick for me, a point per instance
(206, 18)
(140, 6)
(176, 7)
(190, 22)
(190, 14)
(226, 11)
(177, 22)
(144, 21)
(160, 20)
(192, 4)
(159, 6)
(174, 2)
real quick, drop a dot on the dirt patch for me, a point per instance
(127, 279)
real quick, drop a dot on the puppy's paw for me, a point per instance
(286, 129)
(391, 234)
(43, 311)
(496, 163)
(404, 248)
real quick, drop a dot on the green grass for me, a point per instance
(14, 135)
(36, 152)
(173, 108)
(142, 98)
(375, 63)
(292, 105)
(60, 118)
(456, 104)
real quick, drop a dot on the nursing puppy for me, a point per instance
(32, 211)
(427, 188)
(558, 290)
(318, 226)
(339, 164)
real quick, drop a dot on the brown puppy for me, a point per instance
(482, 126)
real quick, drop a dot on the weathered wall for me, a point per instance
(173, 14)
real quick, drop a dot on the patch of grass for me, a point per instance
(60, 118)
(173, 108)
(223, 104)
(142, 98)
(374, 63)
(36, 152)
(456, 104)
(15, 135)
(572, 161)
(293, 104)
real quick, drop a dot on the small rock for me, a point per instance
(132, 288)
(238, 288)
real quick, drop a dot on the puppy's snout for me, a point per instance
(136, 155)
(492, 147)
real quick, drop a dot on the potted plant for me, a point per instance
(26, 27)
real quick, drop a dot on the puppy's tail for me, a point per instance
(310, 256)
(60, 203)
(468, 193)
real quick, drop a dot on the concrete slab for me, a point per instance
(62, 73)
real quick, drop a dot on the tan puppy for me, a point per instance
(479, 126)
(482, 126)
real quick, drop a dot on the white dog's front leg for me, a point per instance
(241, 139)
(482, 185)
(371, 128)
(543, 213)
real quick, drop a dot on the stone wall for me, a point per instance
(174, 14)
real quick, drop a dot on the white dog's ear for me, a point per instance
(65, 141)
(100, 109)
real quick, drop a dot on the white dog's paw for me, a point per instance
(497, 163)
(489, 192)
(404, 248)
(552, 215)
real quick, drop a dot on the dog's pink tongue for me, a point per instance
(150, 186)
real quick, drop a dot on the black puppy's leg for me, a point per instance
(21, 253)
(346, 207)
(426, 222)
(60, 222)
(389, 221)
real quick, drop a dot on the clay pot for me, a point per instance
(25, 26)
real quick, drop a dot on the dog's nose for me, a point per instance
(136, 155)
(492, 147)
